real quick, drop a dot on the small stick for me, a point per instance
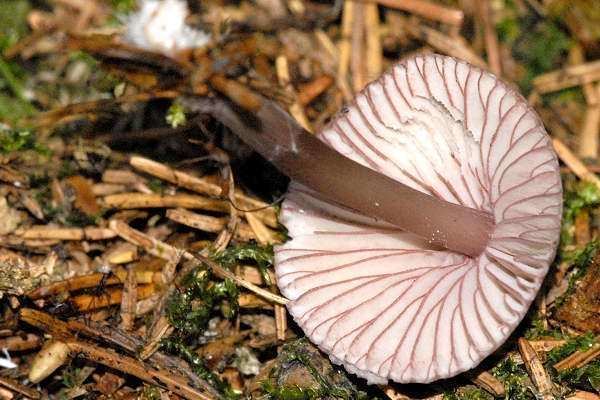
(445, 44)
(253, 275)
(588, 139)
(280, 321)
(310, 91)
(578, 168)
(142, 200)
(357, 54)
(567, 77)
(345, 44)
(488, 382)
(535, 368)
(203, 186)
(374, 53)
(110, 297)
(104, 189)
(236, 92)
(131, 366)
(332, 50)
(59, 233)
(163, 250)
(283, 76)
(208, 223)
(427, 9)
(393, 394)
(88, 281)
(129, 300)
(576, 57)
(67, 331)
(263, 234)
(22, 389)
(21, 343)
(579, 358)
(544, 346)
(491, 39)
(582, 228)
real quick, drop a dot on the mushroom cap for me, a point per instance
(384, 303)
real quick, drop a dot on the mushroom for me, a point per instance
(418, 259)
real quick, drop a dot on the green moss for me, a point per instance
(328, 383)
(195, 302)
(261, 255)
(537, 330)
(19, 140)
(578, 197)
(516, 382)
(574, 344)
(176, 115)
(540, 45)
(580, 259)
(468, 393)
(177, 347)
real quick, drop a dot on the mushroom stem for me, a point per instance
(304, 158)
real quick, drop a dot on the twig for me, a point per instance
(544, 346)
(203, 186)
(443, 43)
(488, 382)
(374, 51)
(588, 139)
(142, 200)
(334, 53)
(578, 168)
(283, 76)
(60, 233)
(310, 91)
(535, 368)
(22, 389)
(345, 44)
(131, 366)
(129, 300)
(567, 77)
(491, 40)
(165, 251)
(357, 53)
(27, 341)
(110, 297)
(88, 281)
(579, 358)
(208, 223)
(427, 9)
(67, 331)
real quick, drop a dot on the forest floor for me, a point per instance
(126, 271)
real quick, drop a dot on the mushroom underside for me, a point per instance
(384, 303)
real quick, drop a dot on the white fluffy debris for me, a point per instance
(7, 362)
(159, 25)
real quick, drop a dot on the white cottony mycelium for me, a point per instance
(159, 25)
(384, 303)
